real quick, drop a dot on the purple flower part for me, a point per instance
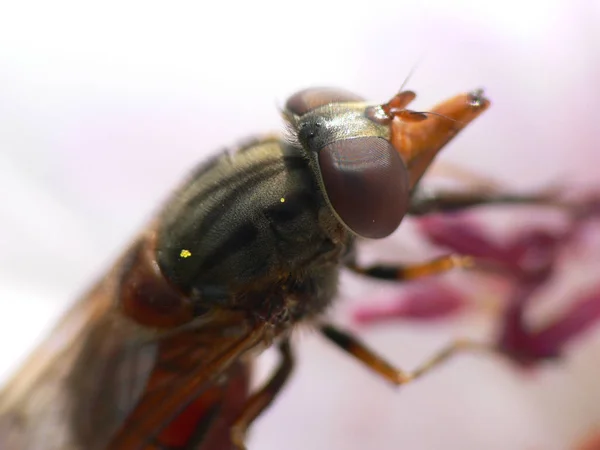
(425, 302)
(528, 259)
(589, 208)
(460, 235)
(530, 255)
(515, 340)
(527, 347)
(581, 315)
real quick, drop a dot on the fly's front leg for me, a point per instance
(427, 202)
(413, 271)
(262, 399)
(424, 202)
(393, 374)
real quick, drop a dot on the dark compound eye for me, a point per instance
(304, 101)
(367, 184)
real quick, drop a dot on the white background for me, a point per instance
(103, 109)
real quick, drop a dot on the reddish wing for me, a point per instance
(205, 424)
(191, 375)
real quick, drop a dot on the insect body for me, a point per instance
(157, 355)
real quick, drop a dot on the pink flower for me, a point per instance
(528, 261)
(422, 301)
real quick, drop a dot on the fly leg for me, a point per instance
(427, 202)
(423, 203)
(410, 272)
(393, 374)
(262, 399)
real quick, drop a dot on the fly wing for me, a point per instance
(85, 360)
(205, 424)
(193, 369)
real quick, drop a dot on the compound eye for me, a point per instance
(367, 184)
(308, 99)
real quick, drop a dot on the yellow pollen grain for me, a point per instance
(282, 199)
(185, 253)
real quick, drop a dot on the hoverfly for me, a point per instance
(157, 355)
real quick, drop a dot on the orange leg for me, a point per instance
(411, 272)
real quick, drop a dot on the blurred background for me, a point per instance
(104, 108)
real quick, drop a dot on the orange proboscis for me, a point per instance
(418, 142)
